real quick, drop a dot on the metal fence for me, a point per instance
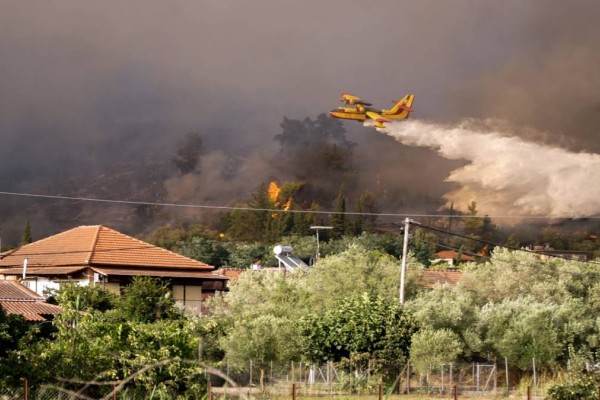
(300, 380)
(474, 380)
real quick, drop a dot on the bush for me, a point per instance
(584, 388)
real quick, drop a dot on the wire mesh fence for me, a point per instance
(301, 380)
(467, 381)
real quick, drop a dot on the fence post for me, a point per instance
(293, 391)
(209, 391)
(114, 392)
(25, 389)
(455, 392)
(442, 388)
(408, 378)
(507, 380)
(495, 375)
(251, 365)
(528, 392)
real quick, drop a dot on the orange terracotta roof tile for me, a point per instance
(72, 247)
(451, 254)
(115, 248)
(13, 290)
(429, 278)
(15, 298)
(96, 245)
(231, 272)
(158, 273)
(30, 310)
(51, 270)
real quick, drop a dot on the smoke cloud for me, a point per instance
(506, 175)
(95, 97)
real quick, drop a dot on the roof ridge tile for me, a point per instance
(94, 242)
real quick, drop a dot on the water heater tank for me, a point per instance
(279, 250)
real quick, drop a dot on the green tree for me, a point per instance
(27, 238)
(423, 246)
(251, 225)
(243, 255)
(104, 346)
(13, 329)
(445, 307)
(368, 205)
(431, 348)
(523, 329)
(473, 223)
(364, 325)
(264, 339)
(259, 314)
(148, 300)
(209, 250)
(86, 297)
(303, 221)
(338, 220)
(351, 273)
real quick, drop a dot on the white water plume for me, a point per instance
(507, 175)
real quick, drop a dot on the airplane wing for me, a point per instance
(377, 118)
(351, 99)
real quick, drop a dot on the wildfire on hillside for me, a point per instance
(274, 192)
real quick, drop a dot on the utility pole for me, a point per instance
(316, 228)
(403, 264)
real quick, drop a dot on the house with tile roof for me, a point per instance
(15, 298)
(428, 278)
(451, 257)
(100, 256)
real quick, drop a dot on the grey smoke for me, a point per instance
(94, 88)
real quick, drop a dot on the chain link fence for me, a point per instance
(300, 380)
(472, 381)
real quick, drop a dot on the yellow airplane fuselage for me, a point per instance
(361, 113)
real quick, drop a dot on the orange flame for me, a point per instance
(287, 204)
(273, 192)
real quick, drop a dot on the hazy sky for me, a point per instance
(80, 68)
(82, 82)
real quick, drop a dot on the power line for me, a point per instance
(277, 210)
(495, 259)
(499, 245)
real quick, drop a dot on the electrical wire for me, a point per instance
(498, 244)
(277, 210)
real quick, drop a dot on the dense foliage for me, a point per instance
(512, 306)
(101, 337)
(363, 328)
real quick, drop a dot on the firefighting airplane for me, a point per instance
(362, 110)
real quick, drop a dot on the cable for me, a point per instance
(276, 210)
(499, 245)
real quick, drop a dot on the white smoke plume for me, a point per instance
(508, 176)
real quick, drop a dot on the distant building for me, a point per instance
(451, 257)
(100, 256)
(547, 252)
(430, 277)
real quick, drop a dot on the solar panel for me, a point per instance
(291, 263)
